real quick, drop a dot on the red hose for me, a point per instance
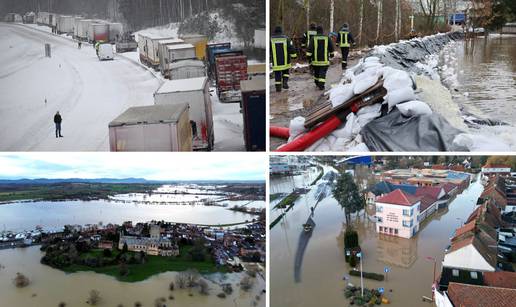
(304, 141)
(279, 132)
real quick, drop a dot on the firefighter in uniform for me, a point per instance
(344, 41)
(307, 37)
(320, 51)
(282, 51)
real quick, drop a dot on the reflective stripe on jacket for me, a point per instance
(343, 39)
(282, 51)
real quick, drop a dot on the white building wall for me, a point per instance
(467, 258)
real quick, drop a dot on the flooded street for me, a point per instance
(484, 74)
(49, 286)
(320, 275)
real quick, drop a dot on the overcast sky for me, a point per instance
(152, 166)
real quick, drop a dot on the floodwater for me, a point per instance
(54, 215)
(320, 276)
(486, 76)
(49, 286)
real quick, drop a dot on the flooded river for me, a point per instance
(49, 287)
(54, 215)
(484, 73)
(319, 279)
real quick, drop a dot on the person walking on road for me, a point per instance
(79, 44)
(57, 121)
(282, 52)
(320, 51)
(344, 41)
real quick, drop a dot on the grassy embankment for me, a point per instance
(70, 191)
(154, 265)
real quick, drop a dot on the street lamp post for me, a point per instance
(359, 255)
(432, 259)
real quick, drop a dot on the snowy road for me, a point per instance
(88, 94)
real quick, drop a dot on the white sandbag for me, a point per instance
(362, 84)
(368, 113)
(395, 79)
(371, 59)
(297, 127)
(399, 95)
(414, 108)
(341, 94)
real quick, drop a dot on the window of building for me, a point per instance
(407, 223)
(474, 275)
(395, 231)
(379, 209)
(455, 273)
(406, 212)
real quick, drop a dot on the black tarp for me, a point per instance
(395, 132)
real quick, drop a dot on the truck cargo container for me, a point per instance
(174, 53)
(115, 31)
(211, 49)
(253, 112)
(259, 39)
(76, 20)
(43, 18)
(98, 32)
(148, 48)
(199, 41)
(126, 43)
(162, 50)
(152, 128)
(230, 69)
(82, 28)
(256, 69)
(186, 69)
(196, 93)
(29, 18)
(65, 24)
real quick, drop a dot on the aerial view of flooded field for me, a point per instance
(308, 254)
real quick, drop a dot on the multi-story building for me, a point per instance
(154, 245)
(397, 214)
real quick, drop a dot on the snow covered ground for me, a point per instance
(88, 94)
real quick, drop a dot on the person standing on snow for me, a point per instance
(344, 41)
(320, 51)
(57, 121)
(282, 53)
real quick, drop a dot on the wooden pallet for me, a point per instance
(324, 110)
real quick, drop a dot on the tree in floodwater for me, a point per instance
(345, 191)
(21, 281)
(94, 298)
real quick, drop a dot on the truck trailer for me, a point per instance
(162, 50)
(253, 112)
(194, 92)
(98, 32)
(174, 53)
(199, 41)
(148, 48)
(65, 24)
(230, 69)
(152, 128)
(186, 69)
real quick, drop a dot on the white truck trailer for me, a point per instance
(65, 24)
(148, 49)
(152, 128)
(116, 30)
(194, 92)
(173, 53)
(98, 32)
(185, 69)
(259, 39)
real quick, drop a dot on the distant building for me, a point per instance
(106, 245)
(154, 245)
(496, 169)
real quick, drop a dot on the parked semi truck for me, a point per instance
(148, 48)
(162, 49)
(152, 128)
(126, 43)
(230, 69)
(65, 24)
(98, 32)
(174, 53)
(199, 42)
(185, 69)
(194, 92)
(211, 50)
